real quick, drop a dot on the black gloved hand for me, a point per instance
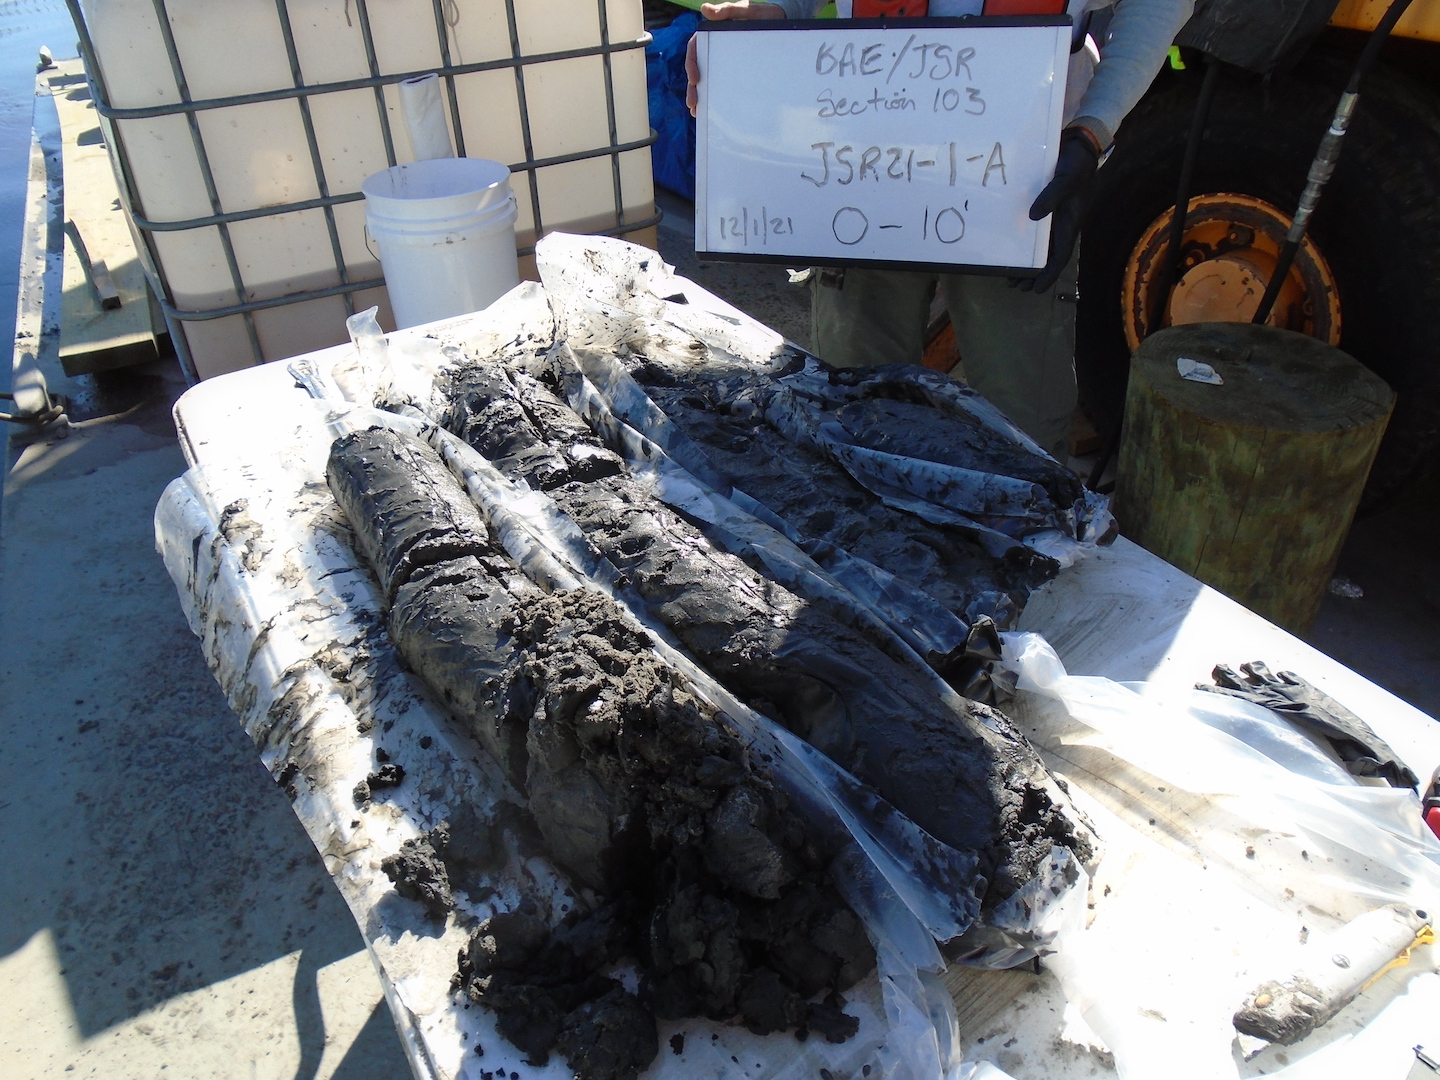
(1066, 196)
(1363, 752)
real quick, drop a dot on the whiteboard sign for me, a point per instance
(871, 144)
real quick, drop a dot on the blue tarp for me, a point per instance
(673, 155)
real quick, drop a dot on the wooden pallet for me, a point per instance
(108, 316)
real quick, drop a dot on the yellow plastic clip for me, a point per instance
(1426, 936)
(1176, 60)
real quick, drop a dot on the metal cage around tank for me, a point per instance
(301, 92)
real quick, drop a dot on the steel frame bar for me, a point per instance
(514, 27)
(282, 9)
(197, 138)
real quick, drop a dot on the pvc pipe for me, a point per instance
(425, 118)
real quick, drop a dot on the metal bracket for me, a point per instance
(107, 296)
(36, 408)
(52, 421)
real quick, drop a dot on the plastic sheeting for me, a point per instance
(924, 876)
(607, 294)
(672, 158)
(291, 620)
(909, 890)
(1242, 844)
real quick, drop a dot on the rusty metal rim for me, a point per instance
(1268, 224)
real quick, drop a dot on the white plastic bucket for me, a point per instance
(445, 230)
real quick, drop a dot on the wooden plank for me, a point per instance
(982, 996)
(105, 316)
(95, 269)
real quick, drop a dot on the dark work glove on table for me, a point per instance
(1363, 752)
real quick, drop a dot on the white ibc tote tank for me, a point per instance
(242, 132)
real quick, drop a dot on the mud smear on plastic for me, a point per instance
(918, 430)
(724, 416)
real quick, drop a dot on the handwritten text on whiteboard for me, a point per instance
(907, 144)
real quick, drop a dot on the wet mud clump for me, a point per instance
(386, 776)
(959, 770)
(547, 993)
(714, 884)
(625, 762)
(418, 872)
(612, 1036)
(429, 867)
(648, 795)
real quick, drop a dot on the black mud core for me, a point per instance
(962, 774)
(712, 885)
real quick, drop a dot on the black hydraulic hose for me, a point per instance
(1323, 166)
(1171, 269)
(1107, 451)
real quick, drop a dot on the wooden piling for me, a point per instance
(108, 318)
(1251, 485)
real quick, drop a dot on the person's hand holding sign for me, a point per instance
(1067, 196)
(740, 9)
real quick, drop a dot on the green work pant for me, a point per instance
(1017, 348)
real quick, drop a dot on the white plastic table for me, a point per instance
(257, 443)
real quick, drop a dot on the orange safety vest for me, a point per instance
(896, 9)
